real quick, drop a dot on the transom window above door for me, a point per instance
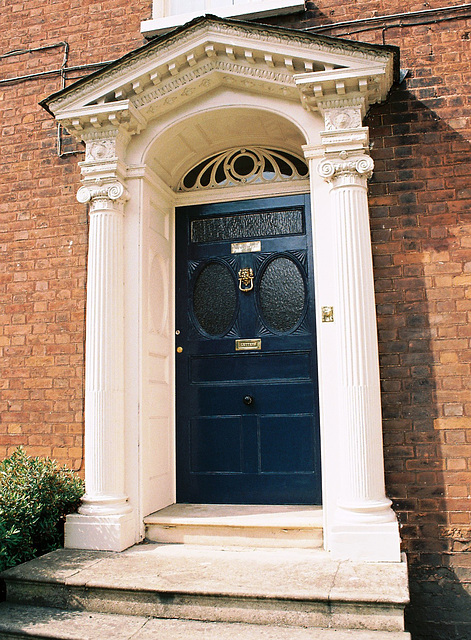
(167, 14)
(244, 165)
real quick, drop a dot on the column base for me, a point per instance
(367, 542)
(100, 533)
(104, 505)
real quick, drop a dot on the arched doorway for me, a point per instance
(146, 120)
(202, 132)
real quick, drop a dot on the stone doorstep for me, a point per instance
(39, 622)
(296, 587)
(237, 525)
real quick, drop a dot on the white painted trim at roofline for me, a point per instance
(160, 22)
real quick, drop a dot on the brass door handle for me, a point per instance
(246, 279)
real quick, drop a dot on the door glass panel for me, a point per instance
(215, 298)
(282, 294)
(248, 225)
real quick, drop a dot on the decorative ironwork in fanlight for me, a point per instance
(249, 165)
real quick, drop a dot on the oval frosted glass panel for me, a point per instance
(215, 298)
(282, 294)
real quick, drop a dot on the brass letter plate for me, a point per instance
(246, 247)
(248, 345)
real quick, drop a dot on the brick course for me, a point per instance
(420, 198)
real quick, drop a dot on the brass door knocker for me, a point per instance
(246, 279)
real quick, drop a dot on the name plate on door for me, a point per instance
(248, 345)
(246, 247)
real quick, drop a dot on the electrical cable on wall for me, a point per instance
(61, 71)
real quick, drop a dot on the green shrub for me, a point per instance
(35, 497)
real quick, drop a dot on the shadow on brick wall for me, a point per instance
(311, 16)
(421, 229)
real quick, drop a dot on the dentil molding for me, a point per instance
(118, 120)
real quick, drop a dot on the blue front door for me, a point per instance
(247, 404)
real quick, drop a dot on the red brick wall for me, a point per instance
(420, 199)
(421, 231)
(43, 230)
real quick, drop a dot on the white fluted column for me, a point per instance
(104, 520)
(365, 525)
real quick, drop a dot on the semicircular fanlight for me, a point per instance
(247, 165)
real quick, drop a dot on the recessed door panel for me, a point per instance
(216, 444)
(263, 366)
(247, 404)
(286, 444)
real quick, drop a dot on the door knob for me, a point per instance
(248, 400)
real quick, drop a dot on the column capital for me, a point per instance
(108, 195)
(346, 169)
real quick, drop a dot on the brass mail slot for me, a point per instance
(248, 345)
(246, 247)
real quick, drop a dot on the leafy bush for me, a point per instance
(35, 497)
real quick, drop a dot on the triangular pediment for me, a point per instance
(210, 52)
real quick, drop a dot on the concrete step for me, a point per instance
(237, 525)
(18, 621)
(285, 587)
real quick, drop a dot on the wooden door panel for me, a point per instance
(247, 421)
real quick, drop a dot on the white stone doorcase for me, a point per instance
(146, 120)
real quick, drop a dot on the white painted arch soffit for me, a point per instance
(210, 53)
